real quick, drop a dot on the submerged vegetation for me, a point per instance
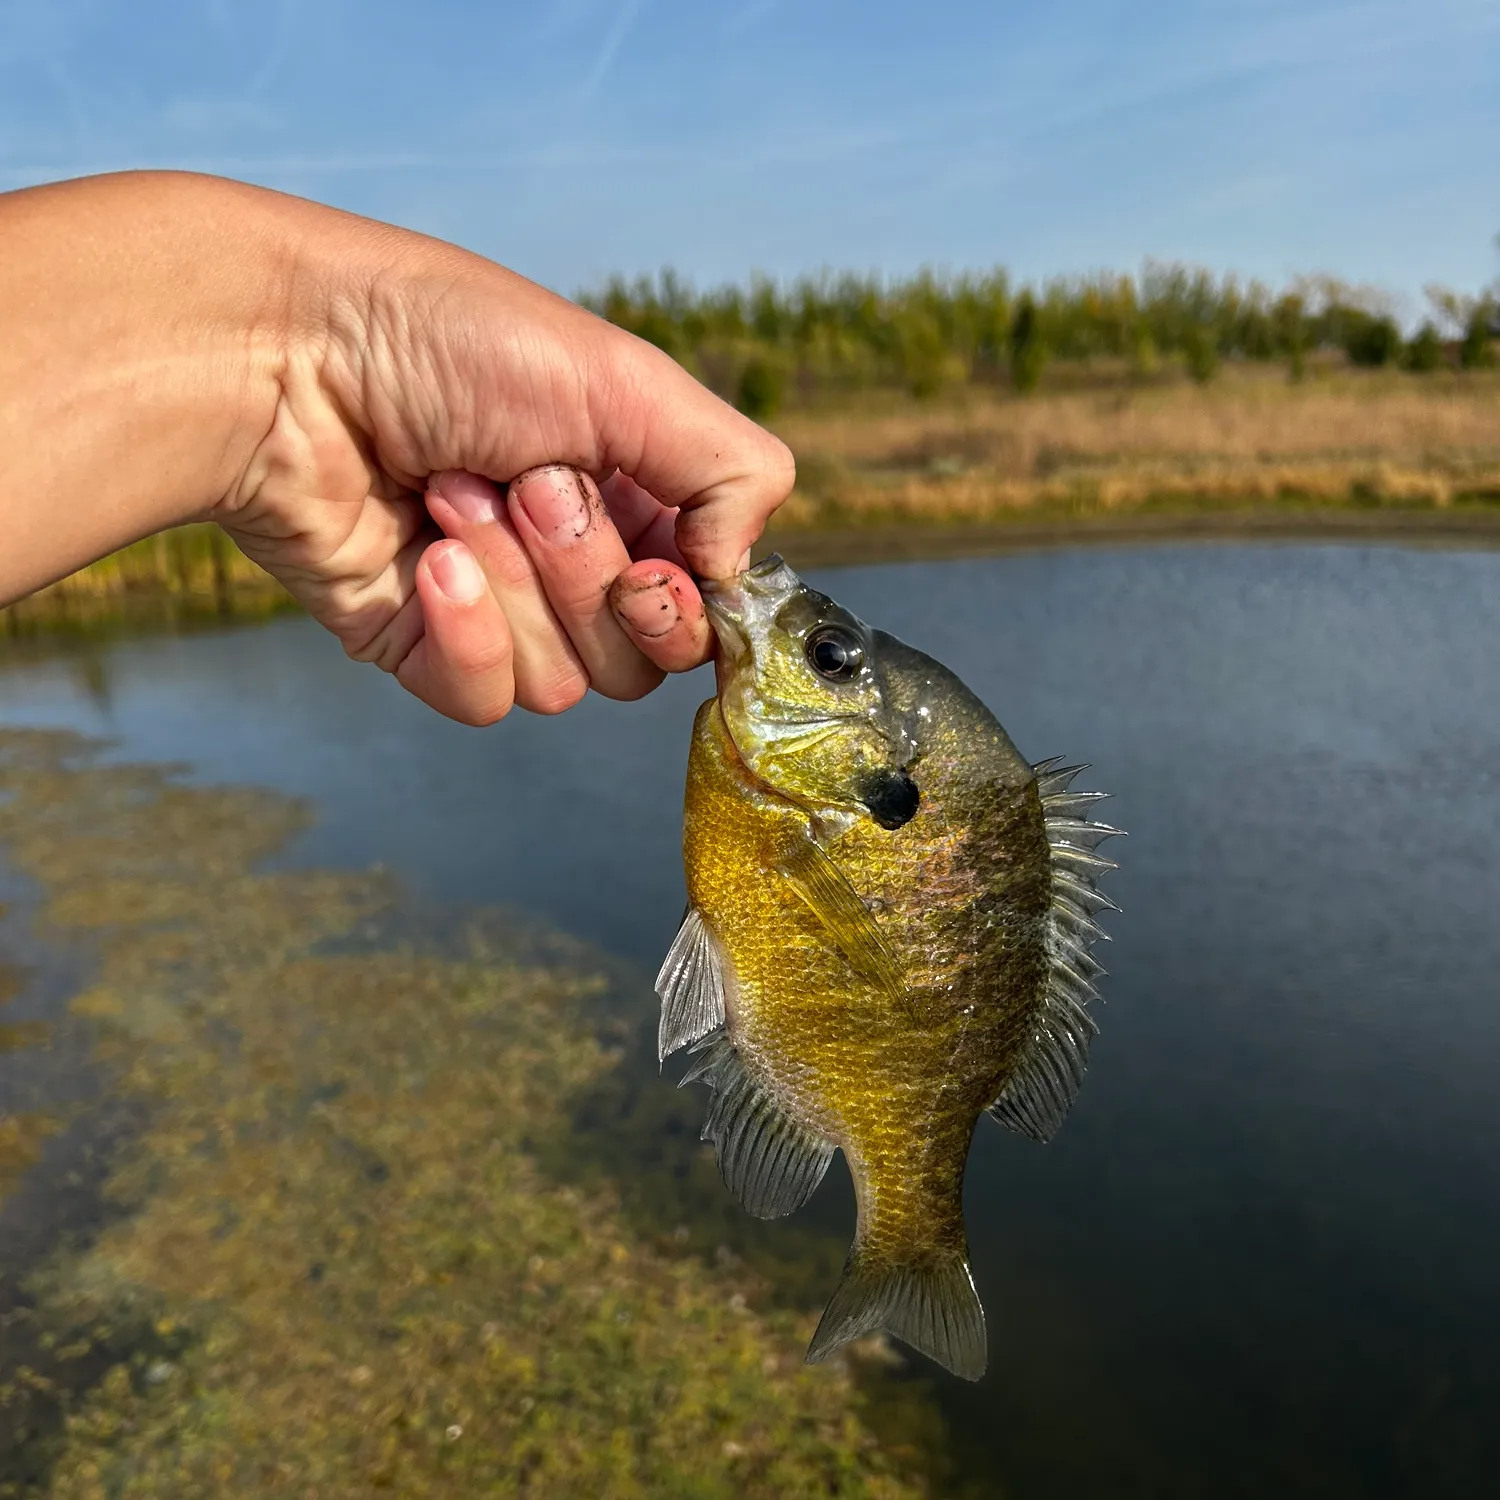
(359, 1236)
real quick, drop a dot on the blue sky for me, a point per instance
(581, 137)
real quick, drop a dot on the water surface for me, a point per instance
(1260, 1256)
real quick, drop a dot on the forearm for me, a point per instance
(144, 326)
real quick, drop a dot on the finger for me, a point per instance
(692, 451)
(659, 607)
(462, 663)
(646, 526)
(559, 515)
(549, 674)
(523, 378)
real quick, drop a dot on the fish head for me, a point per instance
(804, 700)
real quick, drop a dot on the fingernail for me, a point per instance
(475, 499)
(649, 608)
(456, 573)
(556, 502)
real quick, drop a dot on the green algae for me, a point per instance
(358, 1238)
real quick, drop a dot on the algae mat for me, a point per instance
(332, 1251)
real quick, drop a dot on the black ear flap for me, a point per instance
(892, 798)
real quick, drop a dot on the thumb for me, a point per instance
(688, 448)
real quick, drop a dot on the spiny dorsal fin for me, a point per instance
(770, 1162)
(836, 904)
(1050, 1072)
(930, 1305)
(690, 986)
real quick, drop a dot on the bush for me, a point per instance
(1425, 352)
(1202, 354)
(1371, 341)
(761, 389)
(1476, 353)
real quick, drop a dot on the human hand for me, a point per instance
(332, 391)
(432, 369)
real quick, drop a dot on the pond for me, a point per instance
(1260, 1256)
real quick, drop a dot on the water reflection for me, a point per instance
(1259, 1257)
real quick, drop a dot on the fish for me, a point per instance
(888, 933)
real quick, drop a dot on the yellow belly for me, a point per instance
(840, 1055)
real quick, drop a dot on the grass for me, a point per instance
(192, 575)
(357, 1240)
(1097, 441)
(1097, 438)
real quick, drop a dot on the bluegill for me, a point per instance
(888, 933)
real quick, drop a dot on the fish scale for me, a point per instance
(890, 912)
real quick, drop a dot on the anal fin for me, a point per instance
(769, 1161)
(690, 986)
(931, 1305)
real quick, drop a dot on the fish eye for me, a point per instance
(835, 653)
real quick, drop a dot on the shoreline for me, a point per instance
(73, 608)
(913, 541)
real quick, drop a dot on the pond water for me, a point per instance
(1261, 1256)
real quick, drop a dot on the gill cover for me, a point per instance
(804, 700)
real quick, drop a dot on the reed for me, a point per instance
(1340, 436)
(971, 398)
(191, 574)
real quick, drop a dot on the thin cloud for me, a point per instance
(625, 18)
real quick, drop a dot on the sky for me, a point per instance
(579, 138)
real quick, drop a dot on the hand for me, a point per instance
(434, 368)
(477, 485)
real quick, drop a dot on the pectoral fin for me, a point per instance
(836, 904)
(690, 986)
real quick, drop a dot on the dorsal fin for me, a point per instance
(836, 904)
(690, 986)
(1047, 1078)
(770, 1162)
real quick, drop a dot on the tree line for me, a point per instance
(767, 342)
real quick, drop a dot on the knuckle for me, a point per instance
(506, 561)
(481, 716)
(380, 647)
(781, 464)
(558, 695)
(628, 691)
(490, 654)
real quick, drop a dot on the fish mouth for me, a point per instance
(735, 605)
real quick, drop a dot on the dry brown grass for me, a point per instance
(1251, 437)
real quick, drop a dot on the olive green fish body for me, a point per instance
(866, 980)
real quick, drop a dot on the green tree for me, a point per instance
(1028, 355)
(762, 388)
(1202, 353)
(1476, 352)
(1370, 340)
(1425, 352)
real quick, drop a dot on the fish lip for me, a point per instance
(751, 578)
(730, 602)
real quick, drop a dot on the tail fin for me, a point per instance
(932, 1306)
